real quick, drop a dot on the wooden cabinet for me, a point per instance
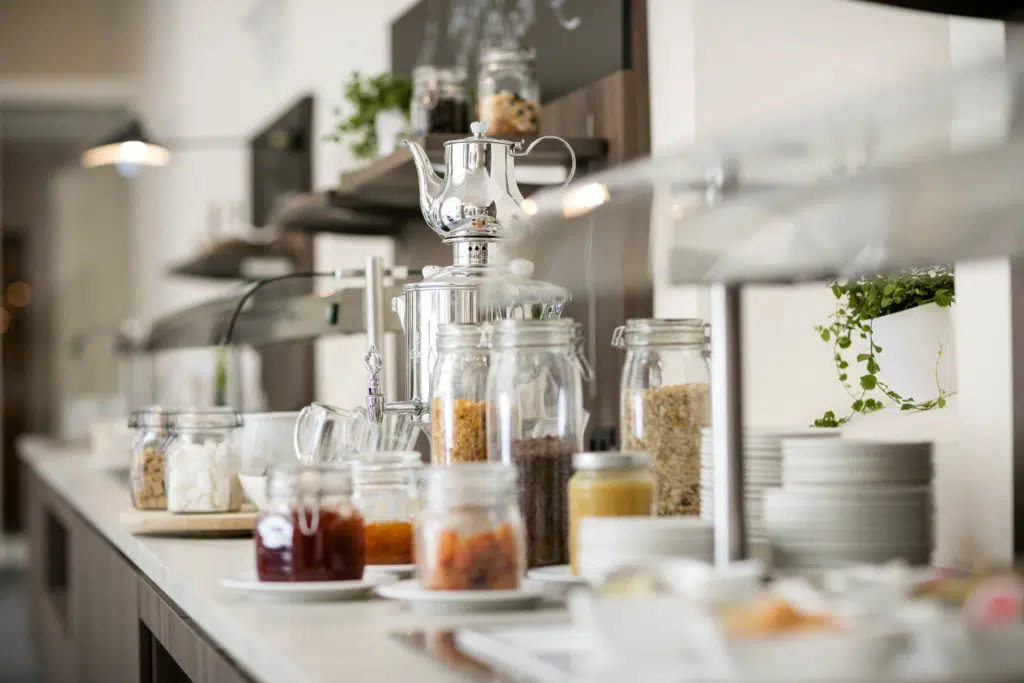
(96, 619)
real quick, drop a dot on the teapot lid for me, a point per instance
(479, 130)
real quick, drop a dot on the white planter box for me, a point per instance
(910, 342)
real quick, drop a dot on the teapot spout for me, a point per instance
(430, 183)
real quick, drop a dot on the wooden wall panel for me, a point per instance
(196, 657)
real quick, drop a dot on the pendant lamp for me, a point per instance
(129, 149)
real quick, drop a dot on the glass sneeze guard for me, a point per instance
(930, 174)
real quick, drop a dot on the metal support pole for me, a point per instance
(374, 288)
(727, 423)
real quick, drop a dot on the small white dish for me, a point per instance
(453, 602)
(400, 570)
(307, 591)
(255, 488)
(559, 574)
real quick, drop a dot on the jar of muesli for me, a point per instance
(458, 411)
(665, 402)
(507, 93)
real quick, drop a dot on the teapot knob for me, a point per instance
(478, 128)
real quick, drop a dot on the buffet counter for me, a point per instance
(107, 605)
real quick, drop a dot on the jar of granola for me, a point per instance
(148, 457)
(508, 97)
(665, 402)
(458, 412)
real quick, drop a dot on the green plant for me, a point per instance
(858, 303)
(368, 96)
(220, 377)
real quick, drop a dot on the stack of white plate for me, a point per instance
(847, 501)
(762, 470)
(604, 544)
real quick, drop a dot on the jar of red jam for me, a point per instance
(310, 529)
(385, 485)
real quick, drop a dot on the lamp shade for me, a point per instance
(128, 148)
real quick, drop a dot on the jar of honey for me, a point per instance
(385, 494)
(310, 529)
(611, 484)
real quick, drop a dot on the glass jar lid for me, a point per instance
(383, 468)
(550, 332)
(661, 332)
(612, 460)
(198, 419)
(506, 56)
(150, 417)
(301, 481)
(428, 73)
(453, 336)
(471, 483)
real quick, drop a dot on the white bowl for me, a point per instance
(255, 488)
(267, 439)
(860, 654)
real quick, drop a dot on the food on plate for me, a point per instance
(772, 616)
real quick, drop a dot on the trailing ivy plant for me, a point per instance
(368, 96)
(858, 303)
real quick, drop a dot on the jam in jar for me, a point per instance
(310, 530)
(386, 496)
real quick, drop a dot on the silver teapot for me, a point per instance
(478, 198)
(471, 207)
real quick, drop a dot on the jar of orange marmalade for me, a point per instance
(384, 486)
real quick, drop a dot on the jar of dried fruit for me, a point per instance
(508, 97)
(148, 457)
(385, 492)
(439, 102)
(458, 411)
(469, 533)
(665, 402)
(535, 422)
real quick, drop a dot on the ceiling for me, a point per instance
(58, 123)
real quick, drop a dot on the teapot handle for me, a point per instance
(572, 154)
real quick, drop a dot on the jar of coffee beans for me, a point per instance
(535, 421)
(439, 103)
(665, 402)
(508, 97)
(458, 409)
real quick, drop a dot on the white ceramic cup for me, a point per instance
(266, 439)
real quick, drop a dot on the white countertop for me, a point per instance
(273, 643)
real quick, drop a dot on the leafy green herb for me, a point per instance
(858, 303)
(220, 377)
(368, 96)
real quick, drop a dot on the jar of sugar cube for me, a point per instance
(203, 461)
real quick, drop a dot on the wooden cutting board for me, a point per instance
(163, 523)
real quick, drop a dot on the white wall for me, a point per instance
(213, 69)
(720, 66)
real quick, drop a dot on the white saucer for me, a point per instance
(560, 574)
(451, 602)
(307, 591)
(400, 570)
